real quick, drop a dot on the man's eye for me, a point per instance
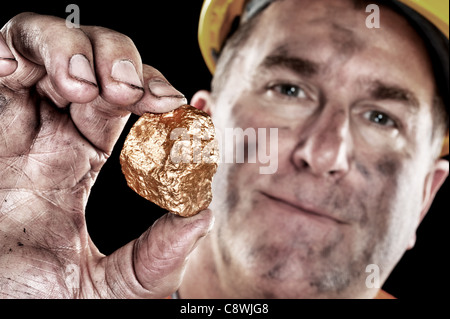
(289, 90)
(379, 118)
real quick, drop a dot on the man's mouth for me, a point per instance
(302, 208)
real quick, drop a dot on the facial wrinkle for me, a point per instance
(344, 40)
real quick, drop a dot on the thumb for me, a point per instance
(153, 265)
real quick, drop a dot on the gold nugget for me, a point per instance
(171, 158)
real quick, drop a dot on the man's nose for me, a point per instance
(324, 145)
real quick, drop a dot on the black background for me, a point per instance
(165, 33)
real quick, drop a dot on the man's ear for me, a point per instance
(433, 182)
(202, 100)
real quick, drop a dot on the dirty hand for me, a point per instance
(65, 96)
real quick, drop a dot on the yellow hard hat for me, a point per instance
(218, 17)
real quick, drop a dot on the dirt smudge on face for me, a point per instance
(387, 166)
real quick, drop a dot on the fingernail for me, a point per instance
(80, 69)
(124, 71)
(210, 219)
(207, 215)
(161, 88)
(211, 224)
(5, 53)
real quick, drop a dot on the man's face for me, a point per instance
(352, 108)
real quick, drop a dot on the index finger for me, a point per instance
(44, 44)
